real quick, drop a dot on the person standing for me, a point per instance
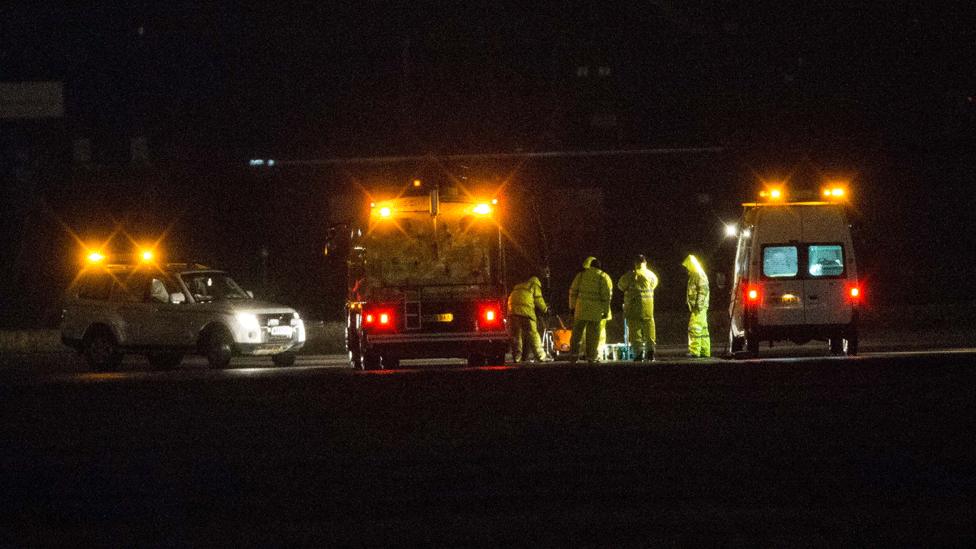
(589, 299)
(638, 287)
(523, 301)
(699, 341)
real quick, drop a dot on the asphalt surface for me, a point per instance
(796, 449)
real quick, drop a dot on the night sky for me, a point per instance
(884, 92)
(477, 76)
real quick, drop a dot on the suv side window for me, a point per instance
(131, 288)
(95, 286)
(780, 261)
(159, 289)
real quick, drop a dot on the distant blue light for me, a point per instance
(270, 162)
(257, 162)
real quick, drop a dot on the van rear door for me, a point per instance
(777, 264)
(828, 265)
(781, 287)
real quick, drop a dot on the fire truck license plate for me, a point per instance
(444, 317)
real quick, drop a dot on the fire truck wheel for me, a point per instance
(390, 363)
(496, 359)
(475, 359)
(371, 361)
(356, 360)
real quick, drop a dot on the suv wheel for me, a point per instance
(165, 360)
(218, 349)
(101, 351)
(283, 359)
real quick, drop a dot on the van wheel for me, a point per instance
(101, 351)
(836, 345)
(736, 344)
(852, 344)
(219, 349)
(752, 344)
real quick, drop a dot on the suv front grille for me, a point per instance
(283, 319)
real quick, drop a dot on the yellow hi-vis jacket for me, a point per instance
(525, 298)
(638, 287)
(589, 295)
(697, 296)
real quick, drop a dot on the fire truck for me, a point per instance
(425, 274)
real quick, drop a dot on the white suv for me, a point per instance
(167, 311)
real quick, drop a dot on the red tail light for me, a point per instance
(753, 294)
(489, 316)
(379, 318)
(854, 293)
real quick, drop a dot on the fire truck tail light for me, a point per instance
(854, 292)
(380, 319)
(489, 316)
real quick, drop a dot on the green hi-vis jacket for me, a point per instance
(589, 295)
(638, 288)
(525, 298)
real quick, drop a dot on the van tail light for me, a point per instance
(489, 316)
(379, 318)
(753, 294)
(854, 293)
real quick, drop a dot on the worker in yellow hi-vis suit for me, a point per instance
(589, 298)
(699, 341)
(525, 298)
(638, 288)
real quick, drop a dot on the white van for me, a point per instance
(795, 275)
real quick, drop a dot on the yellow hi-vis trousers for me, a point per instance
(699, 341)
(524, 329)
(589, 332)
(641, 333)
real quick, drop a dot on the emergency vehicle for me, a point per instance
(166, 310)
(425, 275)
(795, 275)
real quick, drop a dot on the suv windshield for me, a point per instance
(212, 286)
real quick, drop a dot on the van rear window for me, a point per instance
(825, 260)
(780, 261)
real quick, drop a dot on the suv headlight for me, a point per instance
(296, 319)
(248, 321)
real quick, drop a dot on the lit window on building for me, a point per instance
(603, 71)
(582, 71)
